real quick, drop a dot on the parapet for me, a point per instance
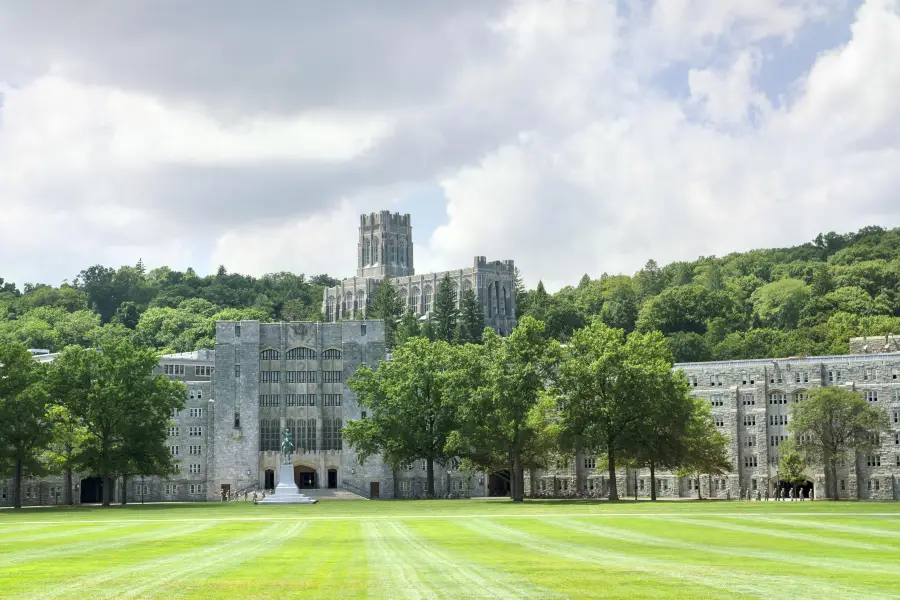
(385, 217)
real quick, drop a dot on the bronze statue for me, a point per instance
(287, 446)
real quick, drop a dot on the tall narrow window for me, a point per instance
(237, 331)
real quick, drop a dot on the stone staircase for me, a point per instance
(332, 494)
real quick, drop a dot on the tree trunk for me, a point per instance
(396, 479)
(709, 482)
(699, 495)
(429, 477)
(17, 485)
(67, 485)
(652, 481)
(518, 477)
(613, 487)
(107, 490)
(124, 490)
(531, 488)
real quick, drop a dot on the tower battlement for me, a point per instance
(385, 247)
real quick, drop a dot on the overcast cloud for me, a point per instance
(570, 136)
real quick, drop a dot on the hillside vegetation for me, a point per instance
(805, 300)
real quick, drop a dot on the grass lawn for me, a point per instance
(455, 549)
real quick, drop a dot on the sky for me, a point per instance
(571, 136)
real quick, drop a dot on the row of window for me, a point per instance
(171, 489)
(300, 376)
(274, 400)
(780, 398)
(778, 420)
(30, 492)
(194, 413)
(303, 435)
(193, 431)
(198, 394)
(199, 370)
(194, 450)
(299, 354)
(777, 377)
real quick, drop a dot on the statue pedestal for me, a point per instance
(286, 491)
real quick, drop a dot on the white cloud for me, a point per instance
(565, 135)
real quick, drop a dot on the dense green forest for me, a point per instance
(805, 300)
(801, 301)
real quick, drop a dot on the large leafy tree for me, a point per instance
(411, 413)
(662, 435)
(122, 406)
(705, 447)
(446, 314)
(779, 304)
(24, 420)
(608, 386)
(504, 406)
(832, 423)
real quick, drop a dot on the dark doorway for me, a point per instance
(498, 484)
(374, 489)
(802, 490)
(332, 479)
(92, 490)
(305, 477)
(270, 479)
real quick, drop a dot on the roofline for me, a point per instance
(798, 360)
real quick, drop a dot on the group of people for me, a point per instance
(230, 496)
(780, 494)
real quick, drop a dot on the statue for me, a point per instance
(287, 447)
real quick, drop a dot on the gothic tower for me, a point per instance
(385, 246)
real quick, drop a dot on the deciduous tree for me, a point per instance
(832, 423)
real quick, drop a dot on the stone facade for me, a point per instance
(385, 252)
(750, 401)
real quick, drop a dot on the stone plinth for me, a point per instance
(286, 491)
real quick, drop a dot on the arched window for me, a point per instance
(504, 299)
(329, 309)
(331, 353)
(454, 291)
(301, 354)
(375, 251)
(361, 300)
(367, 252)
(467, 285)
(391, 253)
(269, 355)
(403, 252)
(426, 300)
(415, 300)
(348, 303)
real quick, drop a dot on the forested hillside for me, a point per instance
(805, 300)
(163, 309)
(799, 301)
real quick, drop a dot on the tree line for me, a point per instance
(516, 403)
(91, 411)
(800, 301)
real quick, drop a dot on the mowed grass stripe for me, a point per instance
(840, 530)
(39, 534)
(755, 529)
(477, 581)
(703, 550)
(542, 538)
(391, 574)
(151, 564)
(138, 534)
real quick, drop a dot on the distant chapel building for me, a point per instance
(385, 253)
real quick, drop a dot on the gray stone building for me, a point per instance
(264, 378)
(750, 402)
(385, 253)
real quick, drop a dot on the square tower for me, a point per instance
(385, 247)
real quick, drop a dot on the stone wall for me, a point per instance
(875, 344)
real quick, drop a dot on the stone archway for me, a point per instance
(305, 477)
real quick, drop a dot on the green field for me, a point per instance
(455, 549)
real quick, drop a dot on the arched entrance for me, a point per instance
(92, 490)
(801, 490)
(269, 479)
(305, 477)
(498, 484)
(332, 478)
